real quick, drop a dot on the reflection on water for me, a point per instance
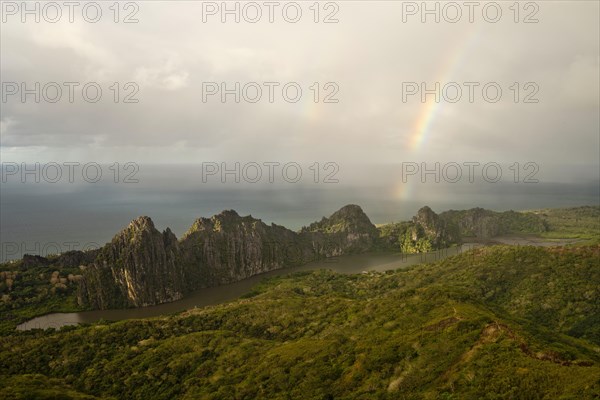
(351, 264)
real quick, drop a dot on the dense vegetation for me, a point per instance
(451, 227)
(407, 237)
(27, 291)
(428, 231)
(578, 222)
(478, 222)
(501, 322)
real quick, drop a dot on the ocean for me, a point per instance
(45, 218)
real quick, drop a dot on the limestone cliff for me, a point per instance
(348, 230)
(427, 232)
(139, 267)
(227, 248)
(439, 232)
(142, 266)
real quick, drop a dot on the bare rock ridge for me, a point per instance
(348, 230)
(429, 231)
(440, 232)
(227, 248)
(139, 267)
(426, 231)
(142, 266)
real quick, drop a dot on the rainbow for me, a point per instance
(422, 126)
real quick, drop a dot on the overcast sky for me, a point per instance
(368, 54)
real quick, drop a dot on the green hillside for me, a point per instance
(27, 291)
(577, 222)
(495, 323)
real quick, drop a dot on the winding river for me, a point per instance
(350, 264)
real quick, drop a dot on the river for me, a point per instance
(350, 264)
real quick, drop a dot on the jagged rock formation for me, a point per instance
(142, 267)
(348, 230)
(227, 248)
(425, 232)
(429, 231)
(438, 231)
(139, 267)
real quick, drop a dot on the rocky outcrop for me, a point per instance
(425, 232)
(428, 232)
(139, 267)
(227, 248)
(439, 232)
(348, 230)
(142, 266)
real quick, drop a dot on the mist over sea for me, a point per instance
(45, 218)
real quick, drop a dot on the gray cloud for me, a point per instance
(369, 54)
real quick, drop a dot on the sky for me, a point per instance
(369, 57)
(377, 95)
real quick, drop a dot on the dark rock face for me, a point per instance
(439, 232)
(142, 266)
(476, 222)
(429, 231)
(139, 267)
(227, 248)
(425, 232)
(348, 230)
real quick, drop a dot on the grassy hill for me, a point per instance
(577, 222)
(500, 322)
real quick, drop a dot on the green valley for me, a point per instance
(496, 322)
